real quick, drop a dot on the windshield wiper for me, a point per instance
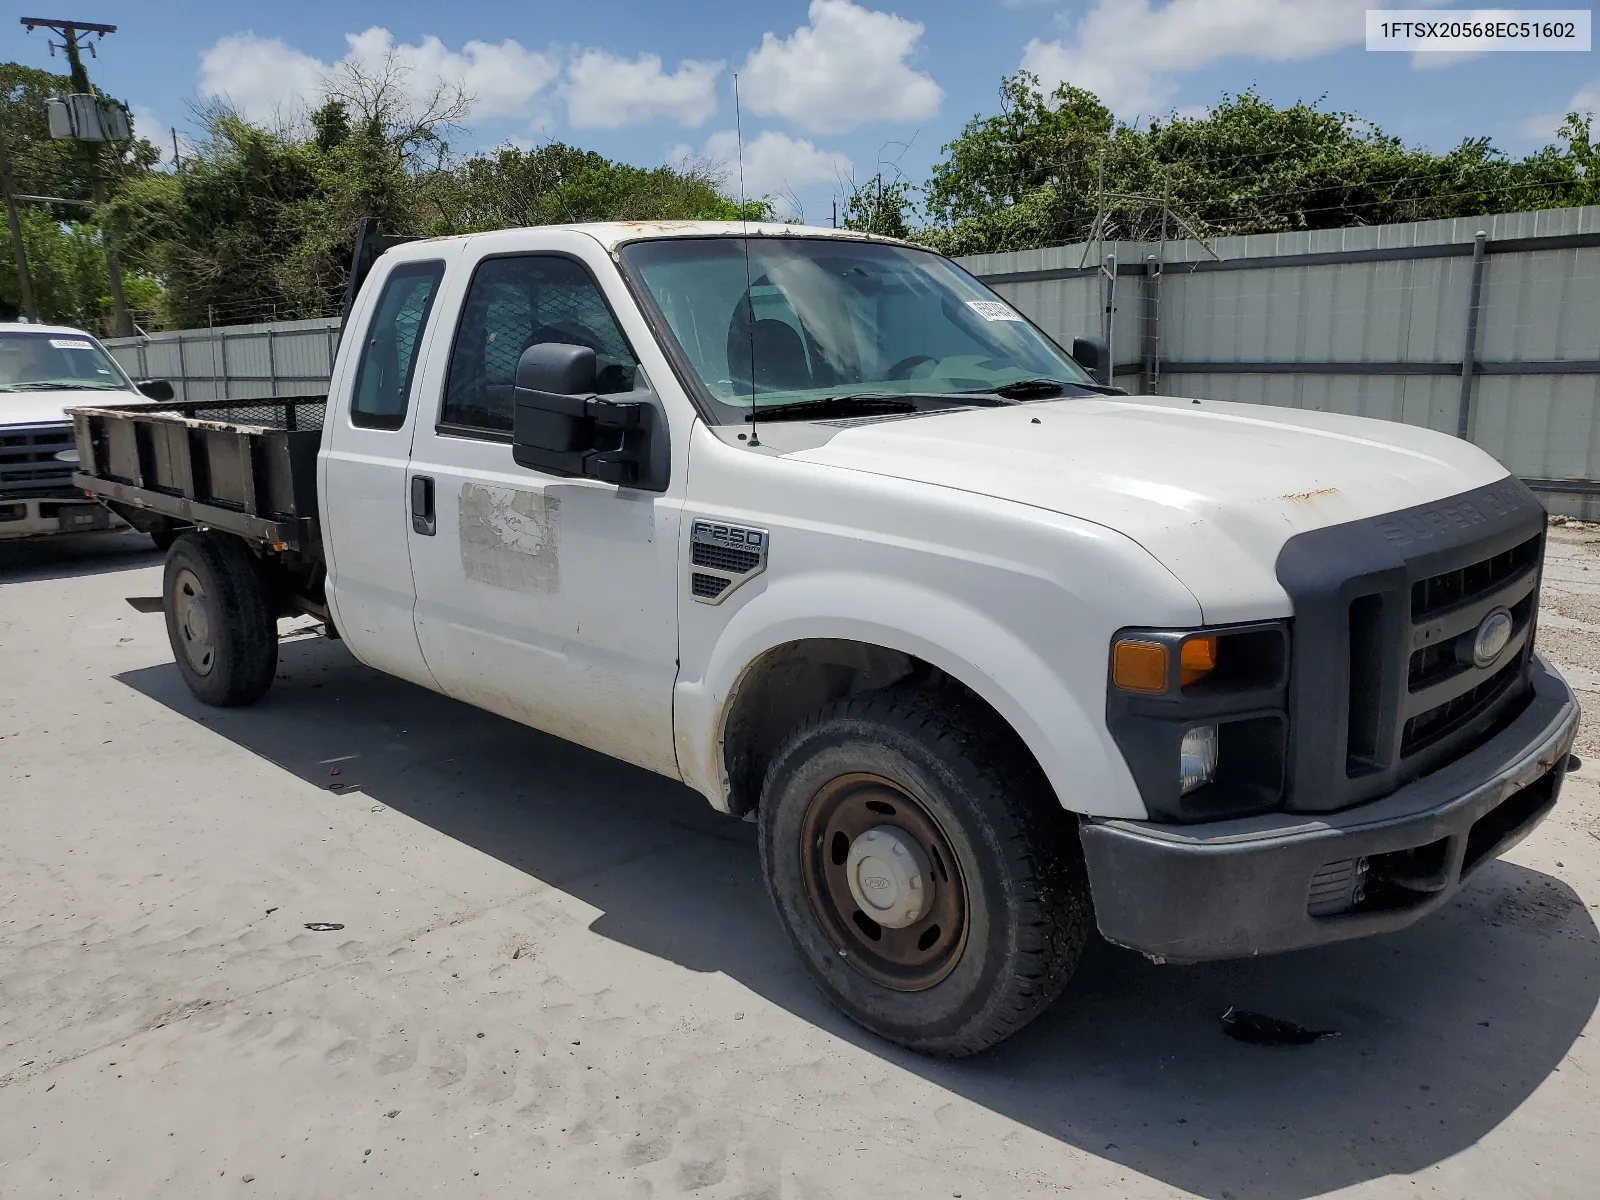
(58, 387)
(832, 406)
(1033, 389)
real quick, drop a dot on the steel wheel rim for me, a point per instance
(191, 612)
(907, 960)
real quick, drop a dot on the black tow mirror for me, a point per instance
(156, 389)
(561, 427)
(1093, 356)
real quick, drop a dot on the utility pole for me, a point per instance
(72, 35)
(23, 279)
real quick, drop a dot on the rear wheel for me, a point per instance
(163, 539)
(220, 619)
(923, 869)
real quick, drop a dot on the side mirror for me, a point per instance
(557, 369)
(1092, 354)
(156, 389)
(561, 427)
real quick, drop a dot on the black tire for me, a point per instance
(1017, 863)
(163, 539)
(220, 620)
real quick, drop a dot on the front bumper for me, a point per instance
(36, 515)
(1262, 885)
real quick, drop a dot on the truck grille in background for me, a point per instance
(28, 464)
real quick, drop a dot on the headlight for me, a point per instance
(1201, 717)
(1197, 758)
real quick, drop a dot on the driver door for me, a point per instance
(550, 600)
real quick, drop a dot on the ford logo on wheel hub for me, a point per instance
(1494, 632)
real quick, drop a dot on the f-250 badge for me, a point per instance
(723, 557)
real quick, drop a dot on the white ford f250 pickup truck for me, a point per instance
(43, 370)
(819, 525)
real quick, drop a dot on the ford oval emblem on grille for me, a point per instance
(1494, 631)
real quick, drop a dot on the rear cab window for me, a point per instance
(382, 393)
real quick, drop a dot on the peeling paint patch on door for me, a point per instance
(510, 539)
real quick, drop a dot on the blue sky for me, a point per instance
(827, 87)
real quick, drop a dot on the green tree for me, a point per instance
(66, 251)
(219, 232)
(67, 265)
(1031, 175)
(880, 206)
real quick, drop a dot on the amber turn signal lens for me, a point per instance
(1197, 660)
(1139, 667)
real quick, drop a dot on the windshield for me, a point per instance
(52, 362)
(825, 317)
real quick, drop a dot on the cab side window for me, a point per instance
(514, 303)
(389, 356)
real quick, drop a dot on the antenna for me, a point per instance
(749, 301)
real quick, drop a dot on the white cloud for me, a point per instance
(606, 92)
(150, 127)
(775, 164)
(264, 78)
(1542, 127)
(847, 67)
(1129, 52)
(267, 79)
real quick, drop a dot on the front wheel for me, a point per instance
(220, 619)
(925, 872)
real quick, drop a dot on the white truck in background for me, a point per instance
(819, 525)
(44, 369)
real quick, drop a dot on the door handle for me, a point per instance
(423, 518)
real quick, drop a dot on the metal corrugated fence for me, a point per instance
(1413, 322)
(235, 362)
(1377, 321)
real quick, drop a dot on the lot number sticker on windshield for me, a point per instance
(71, 344)
(993, 310)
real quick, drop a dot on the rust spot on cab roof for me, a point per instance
(662, 226)
(1308, 497)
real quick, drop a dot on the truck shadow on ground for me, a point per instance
(68, 555)
(1444, 1029)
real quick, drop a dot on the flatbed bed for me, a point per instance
(246, 467)
(242, 467)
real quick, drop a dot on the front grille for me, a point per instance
(1474, 581)
(725, 558)
(1451, 657)
(28, 461)
(1443, 703)
(1385, 686)
(1426, 728)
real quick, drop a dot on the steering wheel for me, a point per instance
(903, 368)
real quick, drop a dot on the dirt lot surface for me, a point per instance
(558, 976)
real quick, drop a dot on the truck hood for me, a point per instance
(49, 408)
(1212, 490)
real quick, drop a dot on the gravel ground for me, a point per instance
(559, 976)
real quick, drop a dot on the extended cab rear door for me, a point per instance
(365, 451)
(549, 599)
